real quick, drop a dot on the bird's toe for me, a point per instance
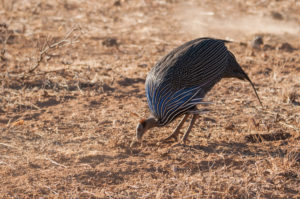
(170, 138)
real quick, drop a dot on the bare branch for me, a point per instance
(47, 47)
(8, 145)
(4, 41)
(54, 162)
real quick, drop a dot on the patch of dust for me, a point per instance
(224, 23)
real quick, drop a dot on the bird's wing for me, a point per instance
(180, 80)
(198, 62)
(167, 105)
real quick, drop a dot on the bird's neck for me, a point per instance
(151, 122)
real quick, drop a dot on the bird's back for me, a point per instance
(181, 79)
(200, 62)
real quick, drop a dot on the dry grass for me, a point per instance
(66, 126)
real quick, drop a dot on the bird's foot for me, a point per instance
(172, 136)
(182, 143)
(199, 111)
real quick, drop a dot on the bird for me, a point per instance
(181, 79)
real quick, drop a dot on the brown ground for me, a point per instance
(67, 121)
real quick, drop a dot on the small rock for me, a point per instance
(286, 47)
(109, 42)
(174, 168)
(117, 3)
(243, 44)
(268, 47)
(292, 98)
(257, 42)
(142, 65)
(266, 173)
(276, 15)
(229, 127)
(66, 61)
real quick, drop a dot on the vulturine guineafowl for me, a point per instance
(181, 79)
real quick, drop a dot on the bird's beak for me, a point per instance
(139, 132)
(139, 136)
(138, 139)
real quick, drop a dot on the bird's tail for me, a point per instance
(235, 70)
(249, 80)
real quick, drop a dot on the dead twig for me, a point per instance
(8, 145)
(56, 163)
(1, 162)
(47, 47)
(4, 41)
(51, 190)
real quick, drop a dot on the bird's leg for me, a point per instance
(177, 130)
(194, 118)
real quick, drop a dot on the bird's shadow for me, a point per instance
(234, 148)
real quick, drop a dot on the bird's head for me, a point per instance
(143, 126)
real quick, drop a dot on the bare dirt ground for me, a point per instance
(72, 85)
